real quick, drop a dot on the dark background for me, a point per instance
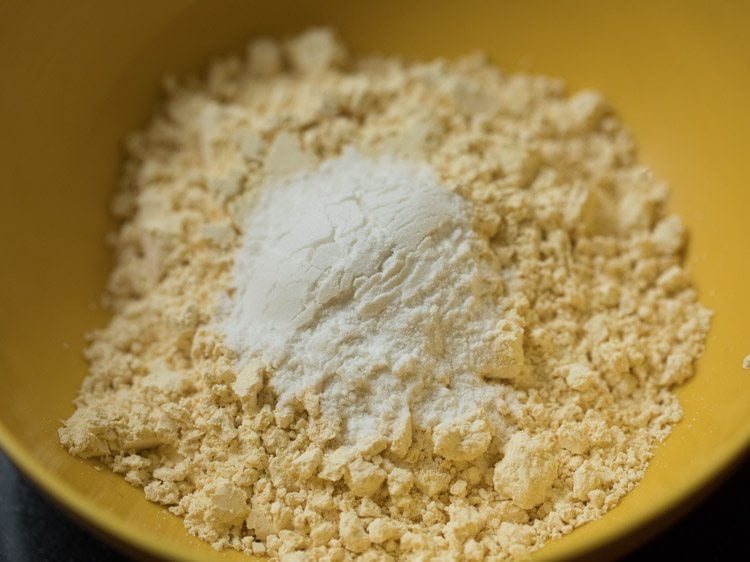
(31, 529)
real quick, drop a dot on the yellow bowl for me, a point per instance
(77, 76)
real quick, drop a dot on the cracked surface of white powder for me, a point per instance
(364, 282)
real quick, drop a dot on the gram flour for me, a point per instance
(377, 308)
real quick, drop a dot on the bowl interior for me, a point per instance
(78, 76)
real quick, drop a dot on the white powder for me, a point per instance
(364, 281)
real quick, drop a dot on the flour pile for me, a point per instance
(364, 307)
(365, 283)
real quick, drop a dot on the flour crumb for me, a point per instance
(527, 470)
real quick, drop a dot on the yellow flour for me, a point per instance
(600, 320)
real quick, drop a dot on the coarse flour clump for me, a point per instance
(389, 309)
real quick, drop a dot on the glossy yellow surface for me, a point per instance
(76, 76)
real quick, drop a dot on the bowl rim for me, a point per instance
(728, 452)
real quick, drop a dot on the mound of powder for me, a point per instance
(378, 309)
(364, 282)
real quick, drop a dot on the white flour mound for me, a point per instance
(364, 281)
